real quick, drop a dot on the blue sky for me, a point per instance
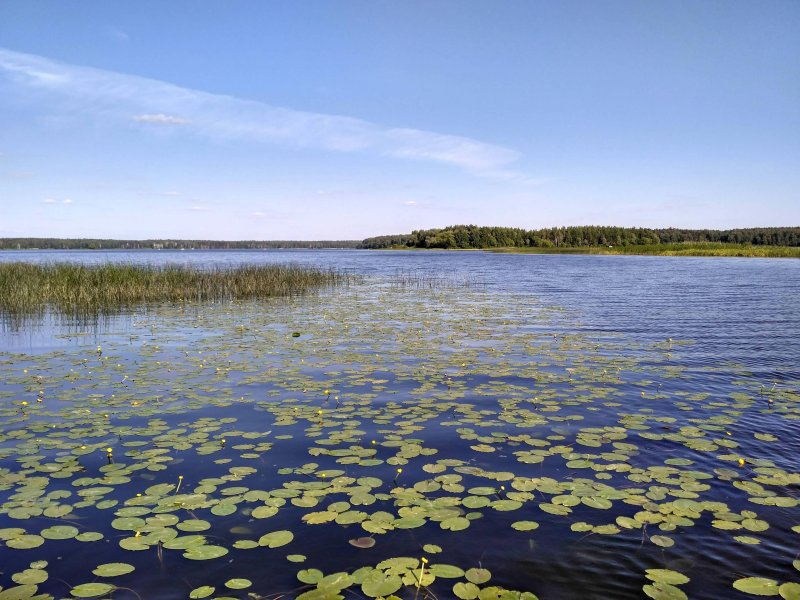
(342, 120)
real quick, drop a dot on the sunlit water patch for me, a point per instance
(393, 440)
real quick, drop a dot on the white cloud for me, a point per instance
(161, 119)
(49, 200)
(67, 201)
(199, 208)
(410, 203)
(55, 201)
(118, 96)
(258, 214)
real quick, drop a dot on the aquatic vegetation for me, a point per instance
(674, 249)
(403, 444)
(75, 288)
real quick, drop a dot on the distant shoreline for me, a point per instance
(707, 250)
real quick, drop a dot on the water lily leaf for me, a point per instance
(455, 523)
(322, 594)
(205, 552)
(478, 576)
(238, 584)
(310, 576)
(29, 577)
(322, 516)
(377, 583)
(466, 590)
(525, 525)
(664, 591)
(335, 581)
(128, 523)
(201, 592)
(506, 505)
(19, 592)
(362, 542)
(662, 540)
(264, 512)
(446, 571)
(666, 576)
(223, 509)
(91, 590)
(408, 522)
(194, 525)
(113, 569)
(746, 539)
(790, 591)
(133, 543)
(25, 542)
(276, 539)
(758, 586)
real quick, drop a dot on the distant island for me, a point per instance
(591, 239)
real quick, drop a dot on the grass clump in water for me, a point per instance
(27, 288)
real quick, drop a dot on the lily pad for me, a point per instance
(113, 569)
(757, 586)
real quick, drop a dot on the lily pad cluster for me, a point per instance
(404, 444)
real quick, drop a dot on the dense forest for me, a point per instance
(91, 244)
(473, 236)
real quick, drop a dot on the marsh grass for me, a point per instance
(72, 288)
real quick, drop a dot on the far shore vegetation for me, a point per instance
(27, 288)
(591, 239)
(679, 249)
(561, 239)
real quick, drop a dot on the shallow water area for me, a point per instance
(555, 426)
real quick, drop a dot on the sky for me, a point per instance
(343, 120)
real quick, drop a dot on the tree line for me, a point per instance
(456, 236)
(473, 236)
(105, 244)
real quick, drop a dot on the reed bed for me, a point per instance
(27, 288)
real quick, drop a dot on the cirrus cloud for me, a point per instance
(117, 96)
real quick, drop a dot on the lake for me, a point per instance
(455, 424)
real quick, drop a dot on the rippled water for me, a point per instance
(553, 325)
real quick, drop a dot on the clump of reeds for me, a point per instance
(27, 288)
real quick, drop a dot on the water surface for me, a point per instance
(599, 404)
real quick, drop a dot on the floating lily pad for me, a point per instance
(757, 586)
(113, 569)
(91, 590)
(201, 592)
(276, 539)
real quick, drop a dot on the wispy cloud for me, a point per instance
(55, 201)
(119, 35)
(147, 101)
(199, 208)
(160, 119)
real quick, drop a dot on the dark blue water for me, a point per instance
(726, 326)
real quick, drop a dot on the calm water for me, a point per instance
(614, 360)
